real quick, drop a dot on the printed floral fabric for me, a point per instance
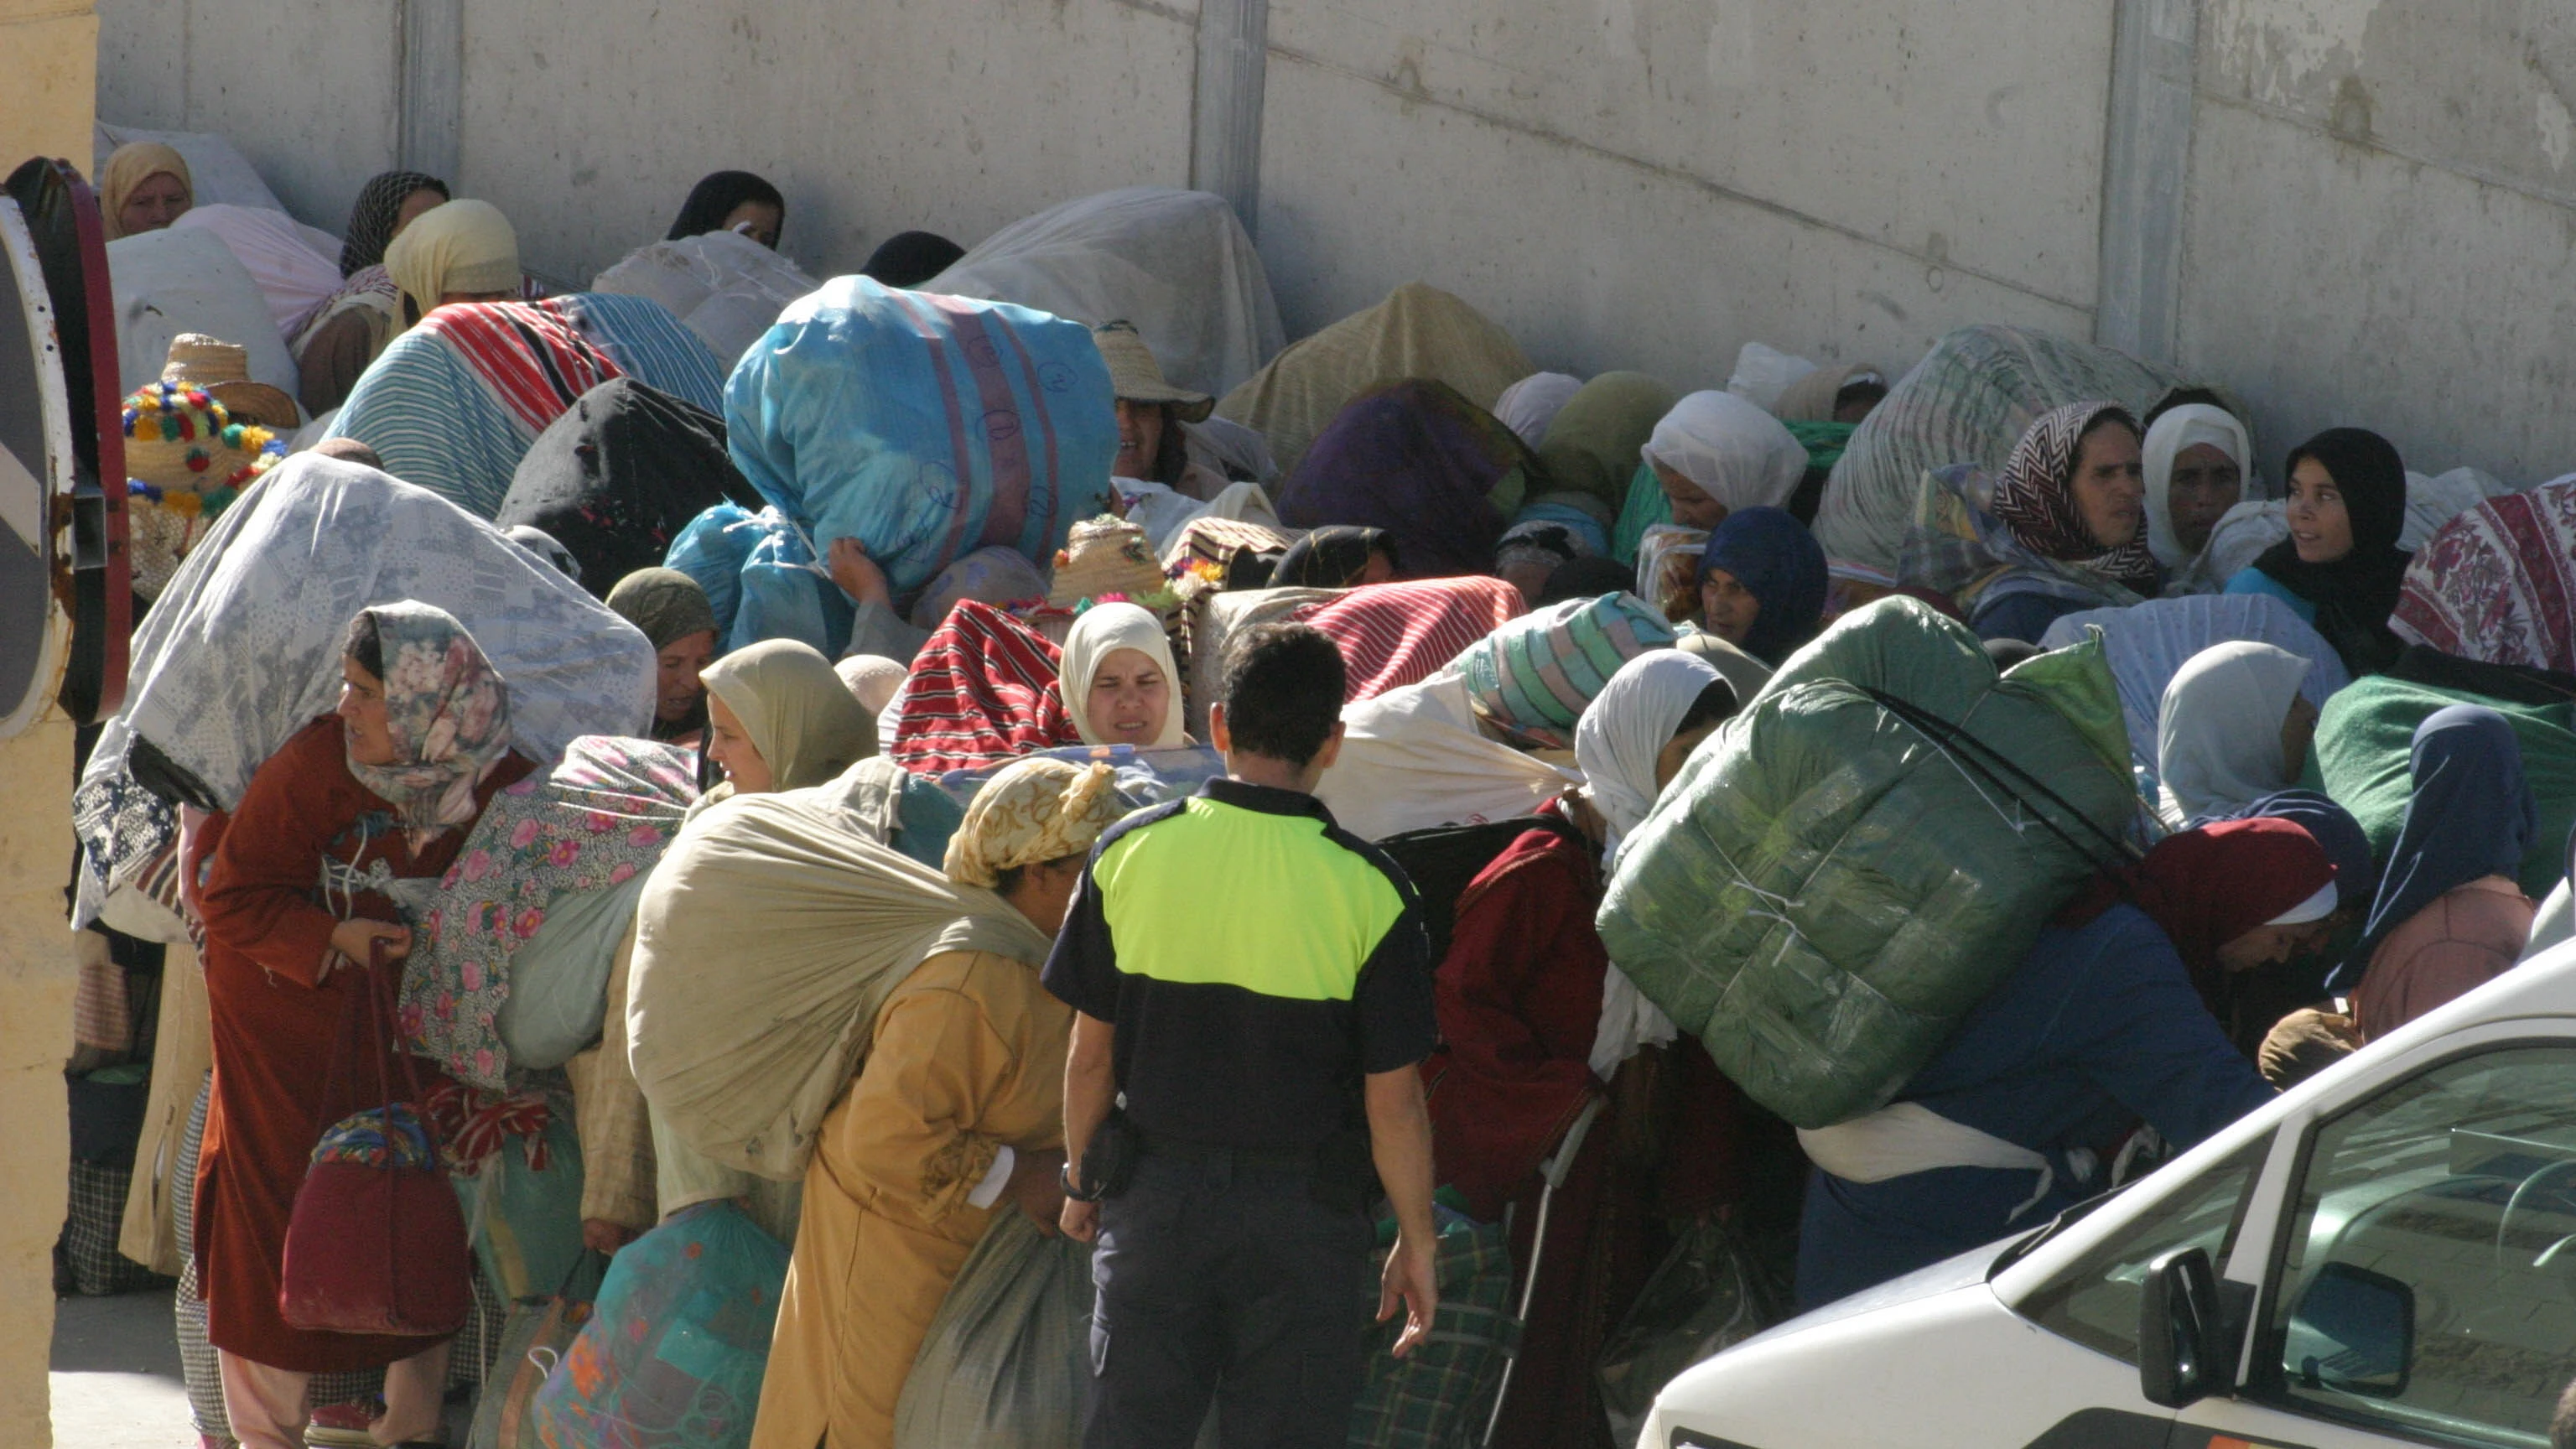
(2495, 583)
(377, 1138)
(1034, 810)
(595, 821)
(449, 714)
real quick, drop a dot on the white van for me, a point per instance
(2386, 1255)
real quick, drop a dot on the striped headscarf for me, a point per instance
(2035, 498)
(1535, 675)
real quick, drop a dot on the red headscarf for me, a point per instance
(2206, 887)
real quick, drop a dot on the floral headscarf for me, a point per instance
(1034, 810)
(450, 717)
(2035, 498)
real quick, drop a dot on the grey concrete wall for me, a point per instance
(2370, 222)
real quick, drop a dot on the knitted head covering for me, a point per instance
(1031, 811)
(449, 714)
(378, 209)
(2035, 498)
(873, 680)
(666, 604)
(1534, 676)
(127, 168)
(460, 246)
(798, 713)
(1771, 553)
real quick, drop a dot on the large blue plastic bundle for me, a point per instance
(924, 426)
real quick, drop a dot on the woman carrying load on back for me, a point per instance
(2098, 1027)
(360, 809)
(2341, 568)
(1534, 1024)
(957, 1115)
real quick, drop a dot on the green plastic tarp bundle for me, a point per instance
(2365, 750)
(1825, 891)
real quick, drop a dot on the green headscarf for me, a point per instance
(666, 604)
(1594, 442)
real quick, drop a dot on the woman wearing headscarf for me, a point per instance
(735, 201)
(1535, 1024)
(2062, 531)
(1338, 556)
(779, 718)
(2450, 915)
(145, 186)
(2099, 1026)
(673, 612)
(1843, 393)
(2340, 568)
(1418, 460)
(1118, 680)
(1530, 405)
(1762, 582)
(957, 1116)
(389, 202)
(1714, 453)
(1597, 438)
(458, 251)
(356, 815)
(2232, 729)
(2194, 462)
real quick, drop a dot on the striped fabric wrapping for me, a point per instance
(1534, 676)
(1392, 635)
(453, 404)
(983, 690)
(2498, 583)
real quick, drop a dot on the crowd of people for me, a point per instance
(1224, 873)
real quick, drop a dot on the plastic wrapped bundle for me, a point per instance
(1175, 263)
(1968, 401)
(186, 279)
(1008, 1359)
(1850, 865)
(723, 286)
(923, 426)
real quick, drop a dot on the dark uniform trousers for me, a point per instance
(1222, 1278)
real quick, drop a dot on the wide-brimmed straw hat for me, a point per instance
(1136, 377)
(222, 370)
(1108, 556)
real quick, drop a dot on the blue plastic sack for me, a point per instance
(677, 1345)
(712, 550)
(761, 579)
(924, 426)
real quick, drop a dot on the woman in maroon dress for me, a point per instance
(358, 810)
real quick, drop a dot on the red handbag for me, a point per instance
(377, 1242)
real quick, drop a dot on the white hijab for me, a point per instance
(2218, 730)
(1529, 405)
(1615, 743)
(1103, 630)
(2185, 427)
(1735, 452)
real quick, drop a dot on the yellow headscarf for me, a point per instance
(128, 167)
(1032, 811)
(457, 246)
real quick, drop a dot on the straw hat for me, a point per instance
(1135, 377)
(1107, 556)
(221, 368)
(180, 440)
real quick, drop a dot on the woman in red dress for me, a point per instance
(360, 809)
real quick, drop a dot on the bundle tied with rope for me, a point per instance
(1851, 864)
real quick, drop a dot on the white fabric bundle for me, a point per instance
(723, 286)
(280, 253)
(1413, 757)
(187, 279)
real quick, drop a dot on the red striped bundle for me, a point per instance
(1392, 635)
(535, 361)
(983, 690)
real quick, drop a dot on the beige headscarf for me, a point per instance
(458, 246)
(1034, 810)
(799, 714)
(1103, 630)
(1811, 398)
(128, 167)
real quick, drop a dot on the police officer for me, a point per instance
(1253, 990)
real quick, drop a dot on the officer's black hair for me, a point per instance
(1282, 691)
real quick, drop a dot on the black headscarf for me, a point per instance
(1331, 557)
(372, 218)
(619, 475)
(2356, 593)
(714, 198)
(908, 259)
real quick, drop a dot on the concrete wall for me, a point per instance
(2359, 210)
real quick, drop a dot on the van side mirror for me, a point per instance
(2352, 1333)
(2182, 1350)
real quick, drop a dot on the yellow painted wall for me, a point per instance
(48, 92)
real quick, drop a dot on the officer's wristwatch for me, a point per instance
(1072, 1183)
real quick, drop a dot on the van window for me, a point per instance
(2094, 1301)
(2449, 1199)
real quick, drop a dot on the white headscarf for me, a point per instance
(1738, 454)
(1615, 743)
(1103, 630)
(1529, 405)
(2218, 731)
(2185, 427)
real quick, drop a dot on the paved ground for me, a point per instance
(116, 1375)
